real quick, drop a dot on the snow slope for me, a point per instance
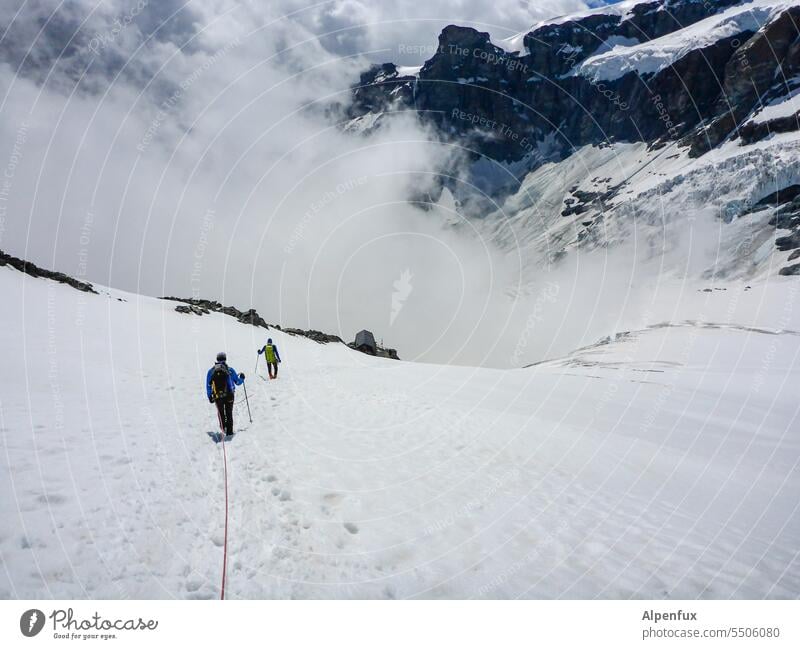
(657, 54)
(661, 464)
(785, 106)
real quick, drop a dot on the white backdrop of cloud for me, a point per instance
(171, 148)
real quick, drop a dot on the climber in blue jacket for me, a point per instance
(221, 382)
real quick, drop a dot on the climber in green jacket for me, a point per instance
(270, 352)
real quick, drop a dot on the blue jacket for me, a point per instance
(233, 380)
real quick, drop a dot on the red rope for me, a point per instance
(225, 475)
(225, 543)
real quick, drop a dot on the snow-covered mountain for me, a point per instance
(608, 225)
(662, 463)
(651, 117)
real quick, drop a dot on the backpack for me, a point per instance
(219, 381)
(269, 352)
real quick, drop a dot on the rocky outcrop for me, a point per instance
(35, 271)
(388, 352)
(202, 307)
(380, 352)
(756, 131)
(196, 310)
(785, 205)
(313, 334)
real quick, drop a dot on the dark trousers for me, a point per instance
(272, 368)
(225, 411)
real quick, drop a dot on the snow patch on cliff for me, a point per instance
(653, 56)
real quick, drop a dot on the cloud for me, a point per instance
(181, 149)
(384, 30)
(62, 43)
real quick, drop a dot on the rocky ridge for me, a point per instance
(197, 306)
(35, 271)
(730, 83)
(536, 105)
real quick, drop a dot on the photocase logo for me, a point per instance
(31, 622)
(402, 289)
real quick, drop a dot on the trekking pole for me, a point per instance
(255, 371)
(244, 385)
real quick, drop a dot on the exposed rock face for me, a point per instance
(34, 271)
(381, 352)
(202, 307)
(765, 62)
(313, 334)
(785, 204)
(388, 352)
(184, 308)
(510, 106)
(756, 131)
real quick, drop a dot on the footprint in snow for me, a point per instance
(351, 527)
(51, 499)
(203, 595)
(193, 585)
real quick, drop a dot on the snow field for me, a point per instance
(661, 464)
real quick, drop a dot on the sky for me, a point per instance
(186, 149)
